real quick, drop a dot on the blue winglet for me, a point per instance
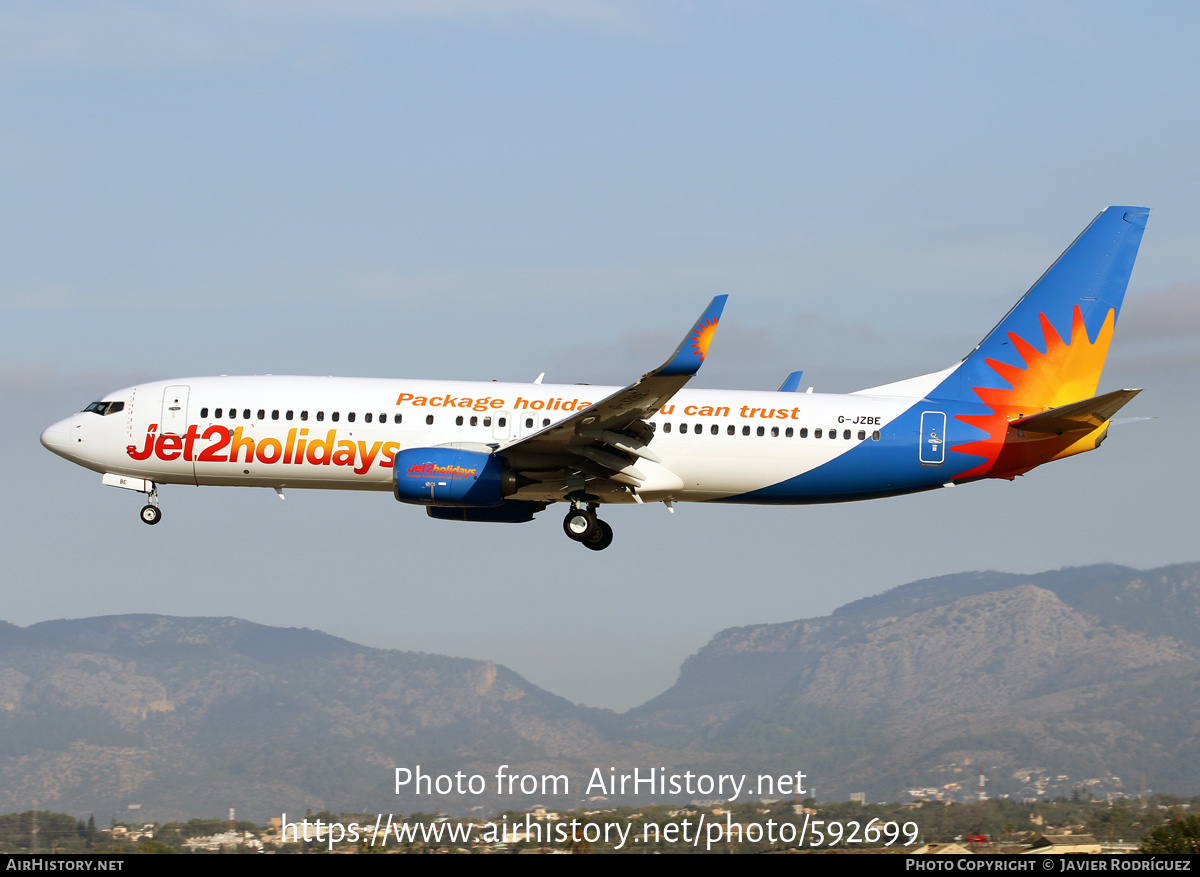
(791, 383)
(690, 353)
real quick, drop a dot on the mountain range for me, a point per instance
(1077, 681)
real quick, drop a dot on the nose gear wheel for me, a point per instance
(151, 513)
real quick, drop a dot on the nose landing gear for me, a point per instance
(582, 525)
(151, 513)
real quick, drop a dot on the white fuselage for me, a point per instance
(342, 433)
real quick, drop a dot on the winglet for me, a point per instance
(791, 384)
(690, 353)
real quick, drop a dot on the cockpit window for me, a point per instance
(105, 408)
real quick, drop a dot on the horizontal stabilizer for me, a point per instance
(1076, 417)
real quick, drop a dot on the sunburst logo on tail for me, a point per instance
(702, 337)
(1068, 371)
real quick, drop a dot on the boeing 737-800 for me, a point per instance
(502, 452)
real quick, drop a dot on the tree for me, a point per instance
(155, 848)
(1181, 836)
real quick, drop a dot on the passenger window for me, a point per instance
(715, 429)
(501, 421)
(862, 434)
(683, 427)
(731, 429)
(429, 420)
(275, 414)
(399, 418)
(745, 430)
(458, 421)
(833, 433)
(217, 413)
(367, 417)
(288, 416)
(762, 430)
(262, 414)
(474, 420)
(817, 432)
(545, 421)
(383, 418)
(775, 432)
(846, 434)
(487, 421)
(528, 422)
(804, 432)
(666, 427)
(350, 417)
(233, 414)
(334, 417)
(320, 416)
(245, 414)
(203, 413)
(875, 436)
(788, 433)
(304, 415)
(698, 428)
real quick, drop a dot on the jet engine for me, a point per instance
(451, 477)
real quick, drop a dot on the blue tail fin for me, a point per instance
(1047, 355)
(1049, 350)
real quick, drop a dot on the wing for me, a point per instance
(606, 439)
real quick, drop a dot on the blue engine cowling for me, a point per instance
(451, 477)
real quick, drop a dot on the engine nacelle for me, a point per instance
(451, 477)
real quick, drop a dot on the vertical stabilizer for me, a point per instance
(1049, 350)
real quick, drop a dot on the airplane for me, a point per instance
(503, 452)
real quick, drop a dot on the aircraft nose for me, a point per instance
(57, 437)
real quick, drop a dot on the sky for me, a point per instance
(476, 190)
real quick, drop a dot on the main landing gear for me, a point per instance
(582, 525)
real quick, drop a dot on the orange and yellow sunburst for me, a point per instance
(1067, 372)
(703, 336)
